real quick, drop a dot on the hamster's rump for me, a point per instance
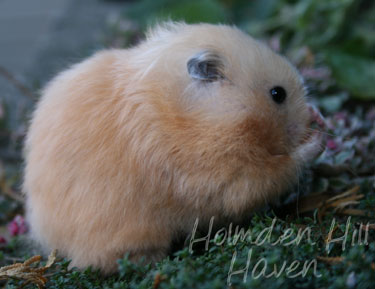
(129, 147)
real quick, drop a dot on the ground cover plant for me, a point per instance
(321, 234)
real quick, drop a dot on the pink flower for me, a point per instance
(2, 240)
(331, 144)
(317, 73)
(341, 115)
(274, 43)
(17, 226)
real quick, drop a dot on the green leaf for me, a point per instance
(320, 185)
(195, 11)
(333, 103)
(191, 11)
(354, 73)
(343, 156)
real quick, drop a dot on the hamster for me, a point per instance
(127, 148)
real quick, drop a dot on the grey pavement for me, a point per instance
(25, 26)
(38, 38)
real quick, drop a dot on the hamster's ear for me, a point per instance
(206, 66)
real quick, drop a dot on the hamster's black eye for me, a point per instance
(278, 94)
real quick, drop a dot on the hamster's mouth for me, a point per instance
(313, 142)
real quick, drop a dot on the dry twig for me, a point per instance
(24, 271)
(330, 260)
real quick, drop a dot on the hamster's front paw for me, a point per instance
(316, 117)
(313, 145)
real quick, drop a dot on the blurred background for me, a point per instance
(332, 42)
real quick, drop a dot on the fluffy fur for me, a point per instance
(125, 149)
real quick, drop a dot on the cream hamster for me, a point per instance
(129, 147)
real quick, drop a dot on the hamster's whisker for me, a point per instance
(323, 132)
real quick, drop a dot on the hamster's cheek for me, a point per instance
(297, 121)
